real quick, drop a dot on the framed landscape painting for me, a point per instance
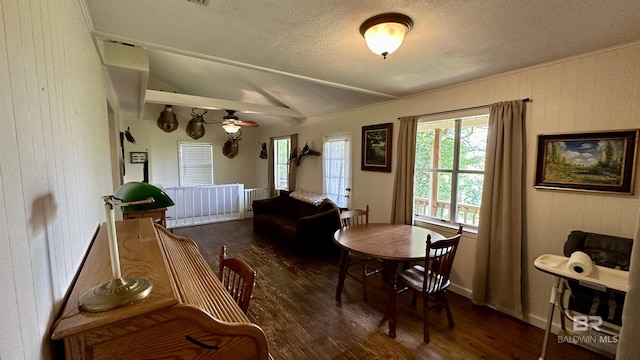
(376, 147)
(594, 161)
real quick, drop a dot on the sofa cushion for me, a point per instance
(293, 208)
(311, 198)
(288, 231)
(281, 220)
(326, 205)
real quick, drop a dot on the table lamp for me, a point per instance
(119, 291)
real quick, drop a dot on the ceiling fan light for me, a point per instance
(385, 33)
(231, 128)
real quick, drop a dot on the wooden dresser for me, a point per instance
(188, 315)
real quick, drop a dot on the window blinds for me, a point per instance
(196, 164)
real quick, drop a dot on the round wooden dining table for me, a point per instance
(392, 243)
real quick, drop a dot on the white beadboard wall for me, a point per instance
(54, 164)
(595, 91)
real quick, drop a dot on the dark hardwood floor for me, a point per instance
(293, 302)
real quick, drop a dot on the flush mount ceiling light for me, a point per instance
(384, 33)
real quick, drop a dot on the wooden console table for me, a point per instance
(188, 314)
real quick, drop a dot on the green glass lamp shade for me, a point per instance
(135, 191)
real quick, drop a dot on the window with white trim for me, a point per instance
(449, 169)
(281, 150)
(195, 163)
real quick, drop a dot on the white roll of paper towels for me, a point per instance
(580, 263)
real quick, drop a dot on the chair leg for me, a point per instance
(364, 281)
(445, 302)
(425, 306)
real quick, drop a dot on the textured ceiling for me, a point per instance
(309, 55)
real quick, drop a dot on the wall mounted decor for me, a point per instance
(128, 136)
(591, 161)
(376, 147)
(138, 157)
(195, 129)
(231, 147)
(167, 120)
(306, 150)
(263, 150)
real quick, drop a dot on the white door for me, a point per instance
(337, 168)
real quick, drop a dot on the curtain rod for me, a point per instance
(463, 109)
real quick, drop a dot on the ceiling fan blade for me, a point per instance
(247, 123)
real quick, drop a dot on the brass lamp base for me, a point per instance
(115, 293)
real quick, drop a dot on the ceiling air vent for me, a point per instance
(201, 2)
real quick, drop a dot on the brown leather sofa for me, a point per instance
(307, 227)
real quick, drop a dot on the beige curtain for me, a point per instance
(402, 205)
(629, 346)
(270, 171)
(293, 164)
(497, 277)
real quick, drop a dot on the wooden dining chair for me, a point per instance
(357, 217)
(237, 277)
(354, 217)
(432, 279)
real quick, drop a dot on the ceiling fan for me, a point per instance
(230, 123)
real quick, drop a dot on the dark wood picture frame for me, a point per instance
(376, 147)
(138, 157)
(602, 161)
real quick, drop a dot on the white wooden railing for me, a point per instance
(467, 214)
(249, 196)
(204, 204)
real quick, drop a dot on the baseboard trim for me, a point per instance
(460, 290)
(528, 318)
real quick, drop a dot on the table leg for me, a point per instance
(393, 290)
(342, 273)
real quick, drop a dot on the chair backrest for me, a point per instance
(354, 217)
(237, 277)
(439, 262)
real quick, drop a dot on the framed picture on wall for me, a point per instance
(138, 157)
(594, 161)
(376, 147)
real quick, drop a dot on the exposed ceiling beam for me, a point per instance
(201, 102)
(109, 36)
(130, 65)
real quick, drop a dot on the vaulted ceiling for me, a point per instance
(283, 60)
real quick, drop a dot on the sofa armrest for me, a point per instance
(266, 206)
(320, 223)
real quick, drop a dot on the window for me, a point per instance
(337, 168)
(196, 164)
(449, 169)
(281, 149)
